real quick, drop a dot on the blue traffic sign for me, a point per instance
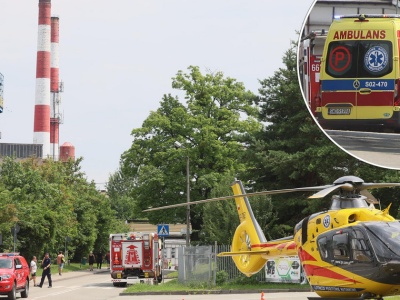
(163, 230)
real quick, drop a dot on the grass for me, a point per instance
(173, 285)
(171, 275)
(67, 268)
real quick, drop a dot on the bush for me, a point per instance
(222, 277)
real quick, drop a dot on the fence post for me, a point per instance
(215, 264)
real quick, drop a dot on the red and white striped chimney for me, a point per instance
(41, 127)
(54, 89)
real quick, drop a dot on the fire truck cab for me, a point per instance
(134, 258)
(310, 53)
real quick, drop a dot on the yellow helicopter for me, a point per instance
(350, 251)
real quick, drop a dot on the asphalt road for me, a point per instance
(380, 149)
(77, 286)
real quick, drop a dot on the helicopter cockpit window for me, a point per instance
(359, 247)
(387, 236)
(323, 248)
(341, 246)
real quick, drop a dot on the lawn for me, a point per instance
(173, 285)
(67, 268)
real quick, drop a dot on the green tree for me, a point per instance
(50, 201)
(119, 190)
(218, 116)
(291, 151)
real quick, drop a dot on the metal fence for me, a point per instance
(199, 265)
(226, 264)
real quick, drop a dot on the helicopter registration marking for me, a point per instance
(335, 288)
(327, 221)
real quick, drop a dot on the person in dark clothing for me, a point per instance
(99, 259)
(46, 264)
(91, 260)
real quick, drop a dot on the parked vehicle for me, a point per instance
(360, 75)
(14, 275)
(134, 257)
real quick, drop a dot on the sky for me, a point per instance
(117, 59)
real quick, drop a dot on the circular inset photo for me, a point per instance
(349, 72)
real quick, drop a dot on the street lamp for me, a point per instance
(177, 146)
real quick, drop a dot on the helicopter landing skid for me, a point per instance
(320, 298)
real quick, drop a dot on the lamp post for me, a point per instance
(179, 145)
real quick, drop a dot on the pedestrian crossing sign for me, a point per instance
(163, 230)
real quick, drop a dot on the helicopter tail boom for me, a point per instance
(250, 249)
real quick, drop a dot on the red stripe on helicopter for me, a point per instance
(304, 255)
(290, 245)
(311, 270)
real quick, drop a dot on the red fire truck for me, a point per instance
(134, 257)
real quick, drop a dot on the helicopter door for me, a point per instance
(347, 249)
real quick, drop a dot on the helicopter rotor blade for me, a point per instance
(324, 192)
(347, 183)
(365, 186)
(370, 198)
(273, 192)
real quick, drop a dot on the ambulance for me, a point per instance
(359, 80)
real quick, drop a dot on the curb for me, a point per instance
(211, 292)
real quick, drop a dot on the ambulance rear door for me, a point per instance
(338, 91)
(375, 71)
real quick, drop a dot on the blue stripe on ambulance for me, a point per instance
(348, 85)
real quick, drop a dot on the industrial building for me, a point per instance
(47, 116)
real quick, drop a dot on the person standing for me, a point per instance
(91, 260)
(46, 264)
(60, 262)
(33, 269)
(99, 259)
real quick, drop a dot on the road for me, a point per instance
(84, 285)
(381, 149)
(98, 286)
